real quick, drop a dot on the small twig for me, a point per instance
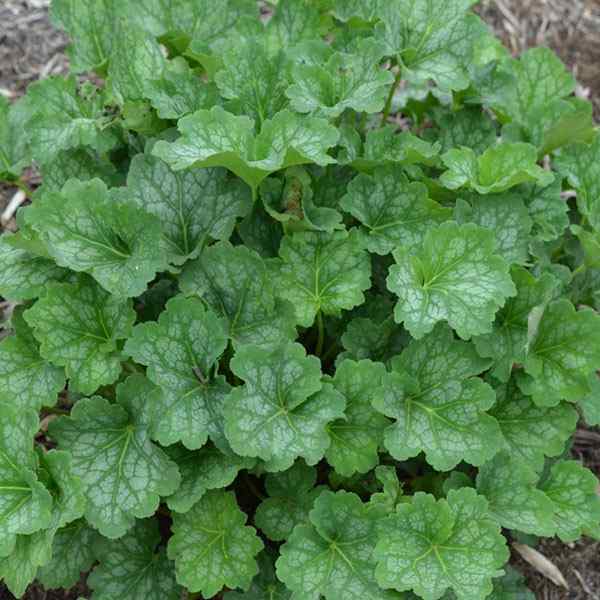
(16, 201)
(584, 585)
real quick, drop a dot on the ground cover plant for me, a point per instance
(306, 304)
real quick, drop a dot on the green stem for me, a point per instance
(329, 352)
(390, 98)
(19, 184)
(321, 334)
(579, 270)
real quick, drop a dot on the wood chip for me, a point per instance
(541, 564)
(13, 205)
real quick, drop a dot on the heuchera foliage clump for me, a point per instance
(303, 310)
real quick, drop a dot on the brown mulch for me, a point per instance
(31, 48)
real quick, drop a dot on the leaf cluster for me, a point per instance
(302, 309)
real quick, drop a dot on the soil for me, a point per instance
(30, 48)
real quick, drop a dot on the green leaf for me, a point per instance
(134, 567)
(92, 26)
(254, 80)
(78, 327)
(25, 504)
(63, 117)
(563, 354)
(136, 59)
(590, 404)
(536, 101)
(123, 471)
(355, 439)
(498, 169)
(531, 432)
(514, 500)
(264, 585)
(193, 206)
(324, 272)
(454, 276)
(511, 587)
(86, 229)
(291, 496)
(283, 409)
(507, 218)
(73, 553)
(14, 154)
(78, 163)
(293, 22)
(471, 127)
(203, 470)
(345, 80)
(579, 165)
(24, 374)
(387, 147)
(432, 39)
(179, 91)
(507, 343)
(332, 556)
(212, 138)
(180, 352)
(236, 283)
(366, 338)
(438, 405)
(392, 209)
(430, 546)
(23, 275)
(212, 547)
(291, 200)
(19, 568)
(574, 491)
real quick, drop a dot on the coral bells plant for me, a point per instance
(301, 308)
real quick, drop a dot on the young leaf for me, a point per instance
(438, 404)
(283, 409)
(356, 438)
(193, 206)
(430, 546)
(498, 169)
(180, 352)
(332, 556)
(291, 497)
(531, 433)
(86, 229)
(562, 355)
(201, 470)
(507, 343)
(392, 209)
(574, 491)
(323, 272)
(236, 283)
(24, 374)
(134, 567)
(345, 81)
(212, 547)
(212, 138)
(79, 327)
(123, 471)
(514, 500)
(25, 504)
(454, 276)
